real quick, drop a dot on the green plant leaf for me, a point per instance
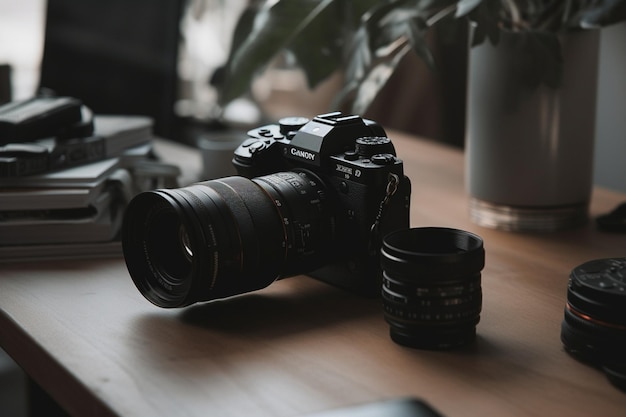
(604, 13)
(379, 22)
(275, 26)
(375, 80)
(464, 7)
(359, 55)
(393, 25)
(417, 39)
(486, 23)
(318, 48)
(243, 27)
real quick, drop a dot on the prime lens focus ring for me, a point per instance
(431, 291)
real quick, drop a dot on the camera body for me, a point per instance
(313, 197)
(358, 165)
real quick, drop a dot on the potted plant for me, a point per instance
(367, 39)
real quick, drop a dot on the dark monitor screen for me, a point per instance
(117, 56)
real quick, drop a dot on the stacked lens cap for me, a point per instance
(594, 325)
(431, 291)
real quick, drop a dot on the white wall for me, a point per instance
(610, 152)
(21, 43)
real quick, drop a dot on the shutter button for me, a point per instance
(383, 159)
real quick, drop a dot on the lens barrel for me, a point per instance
(226, 237)
(594, 323)
(431, 292)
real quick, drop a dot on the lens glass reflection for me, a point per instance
(185, 244)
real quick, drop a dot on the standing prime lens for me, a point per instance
(431, 290)
(227, 236)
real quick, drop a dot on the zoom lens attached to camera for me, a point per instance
(594, 324)
(431, 291)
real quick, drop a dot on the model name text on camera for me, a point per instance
(347, 171)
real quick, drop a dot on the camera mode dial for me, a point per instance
(290, 125)
(372, 145)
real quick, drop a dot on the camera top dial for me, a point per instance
(289, 126)
(373, 145)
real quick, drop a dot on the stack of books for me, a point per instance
(77, 211)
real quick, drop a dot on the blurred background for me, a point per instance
(159, 58)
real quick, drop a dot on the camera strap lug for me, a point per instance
(393, 181)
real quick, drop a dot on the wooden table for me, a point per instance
(84, 333)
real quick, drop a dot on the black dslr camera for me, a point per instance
(313, 197)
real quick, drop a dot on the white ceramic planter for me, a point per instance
(530, 151)
(217, 154)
